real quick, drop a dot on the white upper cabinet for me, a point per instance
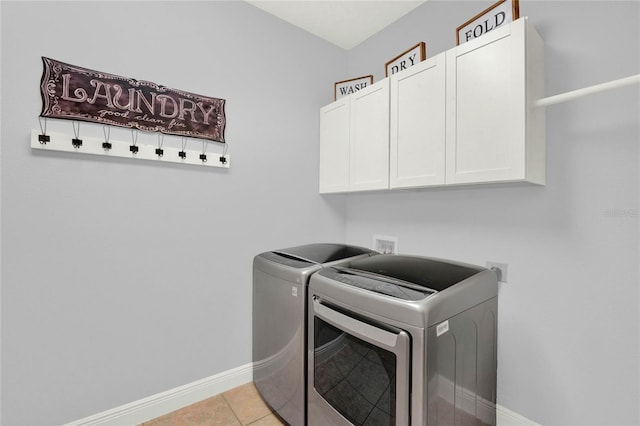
(334, 146)
(417, 125)
(494, 134)
(369, 159)
(354, 141)
(465, 116)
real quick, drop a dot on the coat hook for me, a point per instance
(203, 156)
(223, 157)
(76, 142)
(134, 137)
(43, 138)
(183, 154)
(159, 150)
(107, 134)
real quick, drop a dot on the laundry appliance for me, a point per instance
(402, 340)
(280, 280)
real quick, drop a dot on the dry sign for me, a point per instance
(406, 59)
(501, 13)
(75, 93)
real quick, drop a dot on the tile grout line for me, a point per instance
(230, 407)
(261, 418)
(236, 415)
(249, 422)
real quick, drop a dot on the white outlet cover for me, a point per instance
(503, 267)
(385, 244)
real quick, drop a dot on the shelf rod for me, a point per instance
(563, 97)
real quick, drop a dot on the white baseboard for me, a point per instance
(506, 417)
(483, 409)
(162, 403)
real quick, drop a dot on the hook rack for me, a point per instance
(96, 146)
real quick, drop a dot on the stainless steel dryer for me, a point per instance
(280, 280)
(399, 340)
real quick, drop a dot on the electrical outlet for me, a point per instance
(500, 269)
(385, 244)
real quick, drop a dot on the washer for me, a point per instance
(402, 340)
(280, 280)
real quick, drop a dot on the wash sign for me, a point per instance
(351, 86)
(75, 93)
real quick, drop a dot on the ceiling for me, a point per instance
(344, 23)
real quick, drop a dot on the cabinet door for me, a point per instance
(334, 146)
(486, 107)
(417, 125)
(369, 158)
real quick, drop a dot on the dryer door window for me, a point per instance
(360, 370)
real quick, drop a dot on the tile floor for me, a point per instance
(240, 406)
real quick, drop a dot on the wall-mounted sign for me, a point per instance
(76, 93)
(406, 59)
(502, 12)
(347, 87)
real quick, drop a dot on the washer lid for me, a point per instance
(323, 253)
(435, 274)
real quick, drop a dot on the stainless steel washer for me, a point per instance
(402, 340)
(280, 280)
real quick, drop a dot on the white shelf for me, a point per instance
(93, 146)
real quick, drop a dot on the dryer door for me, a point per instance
(358, 372)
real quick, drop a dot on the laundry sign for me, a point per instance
(75, 93)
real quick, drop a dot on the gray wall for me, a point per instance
(121, 279)
(569, 316)
(124, 279)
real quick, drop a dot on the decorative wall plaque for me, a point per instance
(347, 87)
(500, 13)
(411, 57)
(75, 93)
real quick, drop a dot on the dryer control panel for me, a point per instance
(381, 285)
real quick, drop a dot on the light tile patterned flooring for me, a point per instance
(240, 406)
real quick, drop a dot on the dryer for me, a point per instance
(402, 340)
